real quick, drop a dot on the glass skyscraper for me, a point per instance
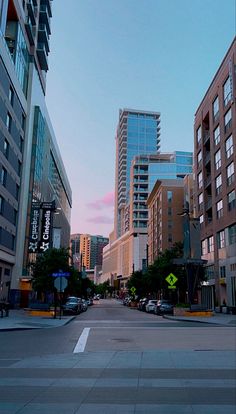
(138, 133)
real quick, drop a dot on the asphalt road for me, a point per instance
(113, 359)
(115, 327)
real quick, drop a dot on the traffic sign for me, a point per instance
(60, 283)
(171, 279)
(61, 274)
(133, 290)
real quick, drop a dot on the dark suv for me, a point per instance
(73, 306)
(164, 306)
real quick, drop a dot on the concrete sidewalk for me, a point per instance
(217, 318)
(18, 320)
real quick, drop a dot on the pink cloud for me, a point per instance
(100, 219)
(106, 201)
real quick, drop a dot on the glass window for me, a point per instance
(228, 120)
(216, 108)
(231, 200)
(210, 242)
(229, 146)
(201, 219)
(217, 135)
(6, 148)
(199, 134)
(222, 271)
(199, 157)
(219, 209)
(169, 211)
(227, 91)
(221, 239)
(232, 234)
(11, 95)
(218, 159)
(1, 204)
(8, 122)
(230, 173)
(169, 196)
(199, 180)
(218, 182)
(3, 176)
(200, 199)
(204, 247)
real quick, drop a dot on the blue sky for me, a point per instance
(158, 55)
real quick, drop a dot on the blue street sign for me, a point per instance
(61, 274)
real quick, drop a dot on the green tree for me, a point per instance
(51, 261)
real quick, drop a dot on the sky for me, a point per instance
(155, 55)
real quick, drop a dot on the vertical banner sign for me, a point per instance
(34, 228)
(46, 227)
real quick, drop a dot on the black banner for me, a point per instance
(45, 242)
(34, 228)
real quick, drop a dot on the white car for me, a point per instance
(150, 306)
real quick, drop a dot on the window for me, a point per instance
(23, 122)
(170, 224)
(6, 148)
(199, 158)
(3, 176)
(210, 242)
(1, 204)
(228, 120)
(199, 180)
(169, 196)
(215, 108)
(21, 144)
(222, 271)
(169, 211)
(231, 200)
(232, 234)
(199, 134)
(217, 160)
(221, 239)
(227, 91)
(219, 209)
(11, 95)
(204, 247)
(9, 122)
(230, 173)
(170, 239)
(217, 135)
(200, 199)
(229, 146)
(19, 167)
(218, 182)
(201, 219)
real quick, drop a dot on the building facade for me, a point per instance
(129, 252)
(215, 189)
(32, 170)
(165, 224)
(87, 250)
(138, 132)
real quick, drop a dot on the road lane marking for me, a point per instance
(79, 347)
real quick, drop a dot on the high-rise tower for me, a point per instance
(138, 132)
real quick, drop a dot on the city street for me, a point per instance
(116, 359)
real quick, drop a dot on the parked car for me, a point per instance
(84, 305)
(142, 304)
(163, 306)
(90, 301)
(150, 306)
(96, 297)
(73, 306)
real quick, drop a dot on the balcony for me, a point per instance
(47, 3)
(207, 158)
(206, 137)
(209, 203)
(43, 36)
(30, 30)
(44, 17)
(31, 12)
(42, 56)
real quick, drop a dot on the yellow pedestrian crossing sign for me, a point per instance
(171, 279)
